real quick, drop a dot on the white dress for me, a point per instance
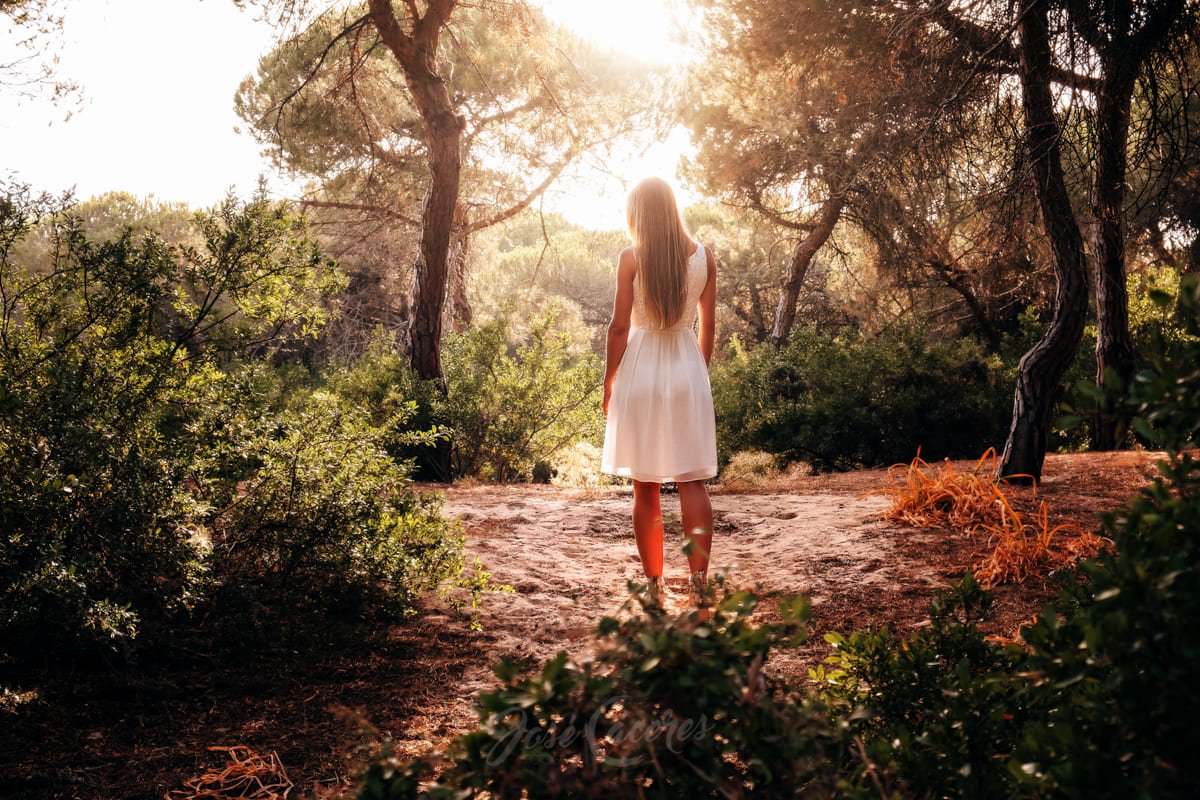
(661, 425)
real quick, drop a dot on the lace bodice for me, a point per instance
(697, 278)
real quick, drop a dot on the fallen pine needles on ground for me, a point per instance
(248, 776)
(974, 502)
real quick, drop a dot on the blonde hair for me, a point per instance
(660, 241)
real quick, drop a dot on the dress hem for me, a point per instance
(680, 477)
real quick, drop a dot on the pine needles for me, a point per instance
(974, 502)
(247, 775)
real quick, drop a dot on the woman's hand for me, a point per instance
(607, 396)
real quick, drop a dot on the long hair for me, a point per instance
(660, 240)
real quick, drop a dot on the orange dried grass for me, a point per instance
(1018, 635)
(1021, 549)
(247, 776)
(941, 496)
(974, 502)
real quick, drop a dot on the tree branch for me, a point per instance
(365, 207)
(526, 201)
(998, 48)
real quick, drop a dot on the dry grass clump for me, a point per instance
(754, 469)
(942, 497)
(974, 502)
(247, 776)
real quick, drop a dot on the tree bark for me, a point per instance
(802, 256)
(1041, 369)
(416, 54)
(1114, 344)
(458, 305)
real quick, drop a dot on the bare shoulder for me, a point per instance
(626, 263)
(712, 260)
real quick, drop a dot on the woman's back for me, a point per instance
(696, 279)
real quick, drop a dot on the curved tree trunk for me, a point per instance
(1042, 367)
(802, 256)
(1114, 344)
(416, 54)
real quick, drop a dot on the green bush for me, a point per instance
(93, 526)
(850, 400)
(150, 454)
(938, 710)
(672, 707)
(749, 468)
(1099, 702)
(508, 406)
(320, 514)
(513, 406)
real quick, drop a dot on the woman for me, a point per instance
(660, 424)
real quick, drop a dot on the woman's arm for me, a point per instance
(618, 329)
(708, 309)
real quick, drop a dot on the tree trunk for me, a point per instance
(431, 268)
(1114, 344)
(1043, 366)
(802, 256)
(458, 305)
(417, 57)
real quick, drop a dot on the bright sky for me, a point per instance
(158, 78)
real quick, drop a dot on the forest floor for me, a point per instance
(142, 731)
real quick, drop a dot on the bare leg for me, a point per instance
(648, 527)
(697, 523)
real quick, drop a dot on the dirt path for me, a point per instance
(569, 553)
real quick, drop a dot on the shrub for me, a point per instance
(1096, 700)
(939, 710)
(848, 400)
(508, 406)
(322, 516)
(672, 707)
(149, 453)
(579, 465)
(749, 468)
(511, 406)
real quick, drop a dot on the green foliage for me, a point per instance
(749, 468)
(514, 399)
(851, 400)
(1126, 725)
(1096, 703)
(938, 708)
(323, 517)
(513, 406)
(673, 706)
(148, 459)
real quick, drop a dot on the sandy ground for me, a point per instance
(568, 554)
